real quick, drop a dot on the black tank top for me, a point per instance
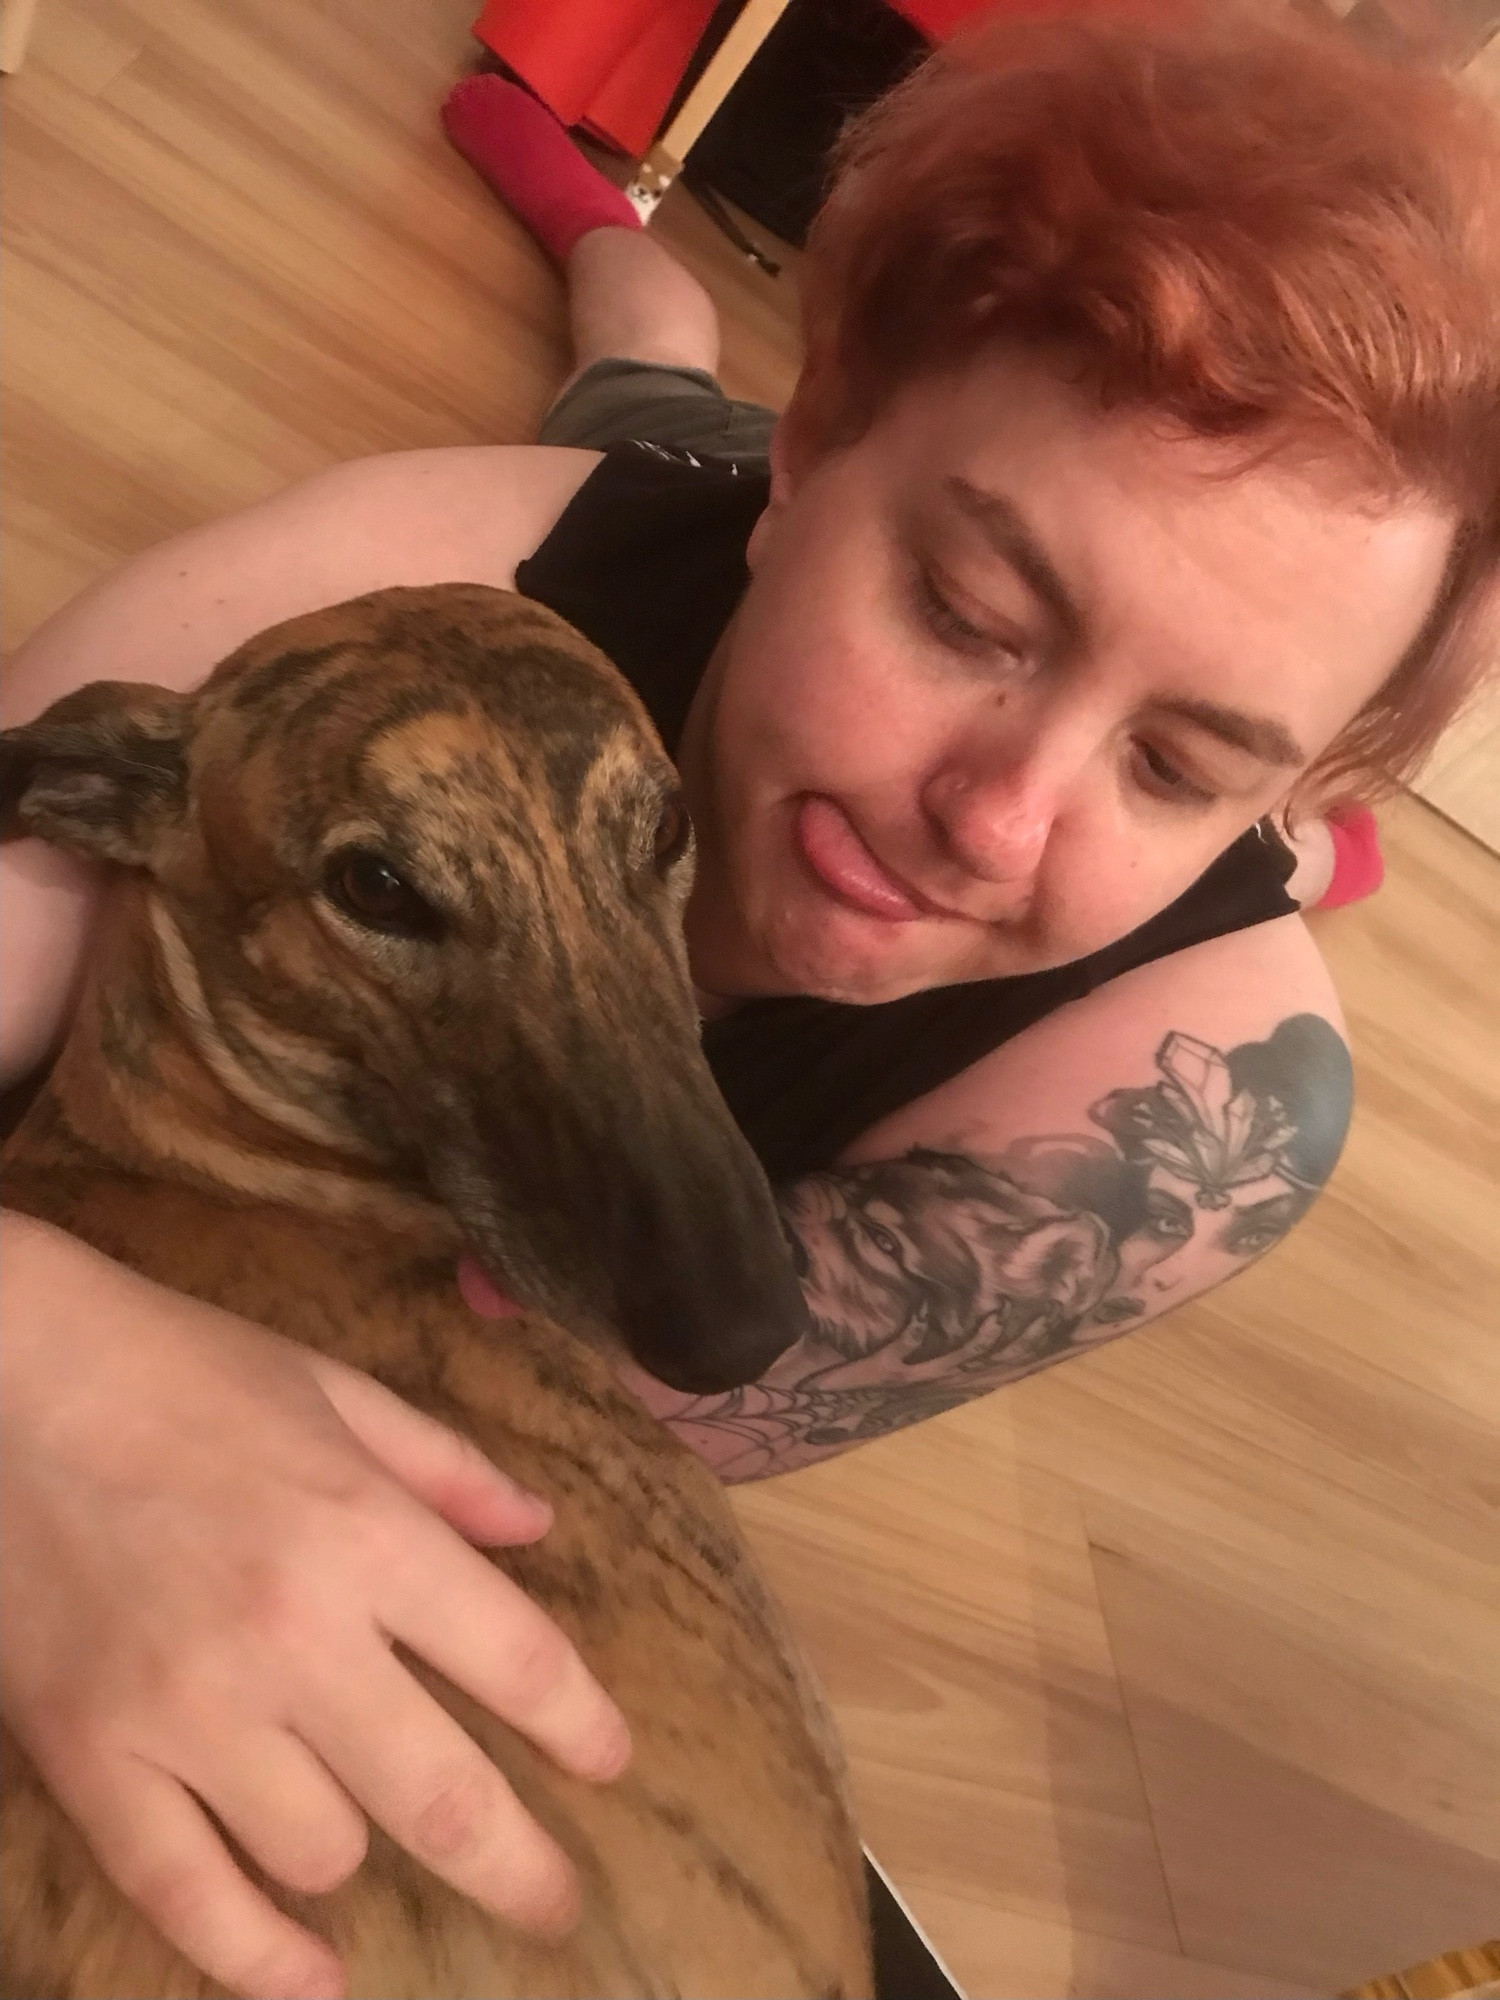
(648, 561)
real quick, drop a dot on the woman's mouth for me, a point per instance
(843, 865)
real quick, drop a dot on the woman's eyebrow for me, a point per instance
(1275, 1212)
(1258, 1211)
(1259, 736)
(1012, 538)
(1168, 1204)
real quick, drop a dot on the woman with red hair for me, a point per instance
(1140, 495)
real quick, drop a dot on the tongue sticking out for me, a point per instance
(480, 1292)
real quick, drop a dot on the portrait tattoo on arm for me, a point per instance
(936, 1277)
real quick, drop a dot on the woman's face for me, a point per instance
(1009, 675)
(1253, 1219)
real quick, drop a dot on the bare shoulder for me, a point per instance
(466, 514)
(484, 507)
(1230, 993)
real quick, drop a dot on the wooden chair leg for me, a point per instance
(663, 163)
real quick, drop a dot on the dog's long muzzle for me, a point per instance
(680, 1248)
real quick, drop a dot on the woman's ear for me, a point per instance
(789, 460)
(103, 771)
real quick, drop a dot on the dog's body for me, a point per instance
(255, 1152)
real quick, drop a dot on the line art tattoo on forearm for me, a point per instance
(936, 1277)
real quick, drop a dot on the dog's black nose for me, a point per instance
(705, 1346)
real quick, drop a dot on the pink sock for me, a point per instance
(1358, 865)
(516, 144)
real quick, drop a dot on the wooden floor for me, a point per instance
(1173, 1672)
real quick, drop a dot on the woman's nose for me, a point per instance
(996, 824)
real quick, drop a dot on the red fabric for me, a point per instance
(564, 52)
(628, 108)
(516, 145)
(1358, 864)
(938, 19)
(611, 65)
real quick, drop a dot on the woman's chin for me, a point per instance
(807, 941)
(863, 961)
(857, 960)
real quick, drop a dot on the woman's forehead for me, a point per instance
(1245, 1194)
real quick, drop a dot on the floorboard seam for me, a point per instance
(1140, 1771)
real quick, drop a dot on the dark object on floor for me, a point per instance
(906, 1967)
(766, 149)
(719, 213)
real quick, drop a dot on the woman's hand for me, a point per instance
(211, 1540)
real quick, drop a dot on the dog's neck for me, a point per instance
(171, 1085)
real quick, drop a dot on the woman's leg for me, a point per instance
(628, 299)
(645, 332)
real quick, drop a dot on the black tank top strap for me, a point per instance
(648, 561)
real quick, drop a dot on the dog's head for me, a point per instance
(419, 864)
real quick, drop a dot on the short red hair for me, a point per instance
(1244, 223)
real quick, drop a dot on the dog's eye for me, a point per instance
(673, 831)
(366, 887)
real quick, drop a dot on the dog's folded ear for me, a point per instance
(103, 771)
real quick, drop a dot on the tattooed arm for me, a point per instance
(1113, 1161)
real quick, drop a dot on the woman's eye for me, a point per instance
(884, 1241)
(1165, 781)
(673, 831)
(1255, 1241)
(366, 887)
(952, 628)
(1169, 1228)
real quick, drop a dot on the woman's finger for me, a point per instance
(441, 1798)
(482, 1632)
(438, 1467)
(156, 1844)
(286, 1810)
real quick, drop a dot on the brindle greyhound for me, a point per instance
(392, 964)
